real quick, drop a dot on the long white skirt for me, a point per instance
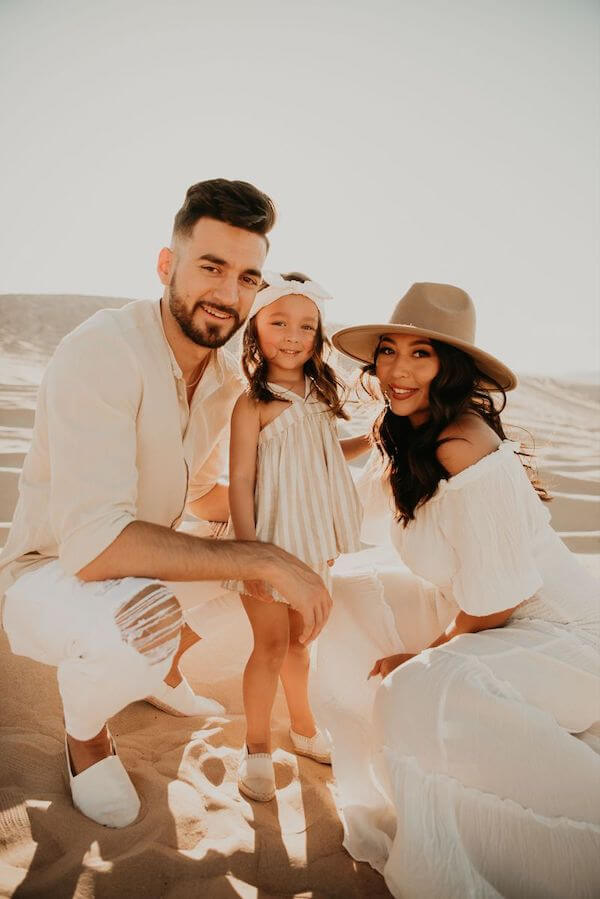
(472, 770)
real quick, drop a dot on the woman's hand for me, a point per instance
(390, 663)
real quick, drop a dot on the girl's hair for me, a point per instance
(412, 465)
(325, 383)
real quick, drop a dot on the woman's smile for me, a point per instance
(401, 393)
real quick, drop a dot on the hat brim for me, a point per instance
(360, 343)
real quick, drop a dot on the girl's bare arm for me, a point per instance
(245, 428)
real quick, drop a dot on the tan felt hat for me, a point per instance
(437, 311)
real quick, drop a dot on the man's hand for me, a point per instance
(390, 663)
(303, 589)
(154, 551)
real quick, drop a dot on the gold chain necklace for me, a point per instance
(202, 370)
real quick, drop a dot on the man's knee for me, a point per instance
(151, 622)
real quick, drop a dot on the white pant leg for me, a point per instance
(493, 794)
(89, 631)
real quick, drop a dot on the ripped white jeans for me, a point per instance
(111, 641)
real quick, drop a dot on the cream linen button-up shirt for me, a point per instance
(114, 440)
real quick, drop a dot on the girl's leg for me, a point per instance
(294, 677)
(270, 628)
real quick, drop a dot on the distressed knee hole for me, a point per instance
(151, 622)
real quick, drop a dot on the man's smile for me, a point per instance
(215, 312)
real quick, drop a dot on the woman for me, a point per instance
(470, 773)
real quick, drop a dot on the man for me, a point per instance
(131, 420)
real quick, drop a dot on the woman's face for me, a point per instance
(405, 367)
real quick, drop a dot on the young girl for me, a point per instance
(289, 485)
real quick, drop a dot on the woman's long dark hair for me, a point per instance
(325, 383)
(410, 452)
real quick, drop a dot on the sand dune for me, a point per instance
(196, 836)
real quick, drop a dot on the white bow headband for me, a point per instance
(278, 287)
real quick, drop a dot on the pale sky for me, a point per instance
(401, 140)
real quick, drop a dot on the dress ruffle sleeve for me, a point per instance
(489, 514)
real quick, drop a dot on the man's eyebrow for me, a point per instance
(210, 257)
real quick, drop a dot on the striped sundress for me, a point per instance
(305, 500)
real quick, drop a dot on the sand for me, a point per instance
(196, 835)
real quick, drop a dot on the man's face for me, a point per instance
(211, 279)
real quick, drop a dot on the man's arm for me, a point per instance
(151, 550)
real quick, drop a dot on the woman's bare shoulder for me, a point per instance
(464, 442)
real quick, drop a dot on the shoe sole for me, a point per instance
(250, 794)
(322, 759)
(168, 708)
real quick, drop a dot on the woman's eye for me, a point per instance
(422, 354)
(385, 351)
(309, 328)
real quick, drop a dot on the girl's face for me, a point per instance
(286, 331)
(405, 367)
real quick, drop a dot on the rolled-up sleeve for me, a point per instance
(213, 469)
(93, 390)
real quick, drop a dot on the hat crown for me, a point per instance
(441, 308)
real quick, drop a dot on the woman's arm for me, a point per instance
(245, 428)
(466, 442)
(472, 624)
(462, 624)
(352, 447)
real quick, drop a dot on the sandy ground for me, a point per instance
(196, 836)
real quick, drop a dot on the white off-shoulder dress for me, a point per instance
(473, 770)
(305, 500)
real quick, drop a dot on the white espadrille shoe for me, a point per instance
(316, 747)
(104, 792)
(183, 702)
(256, 776)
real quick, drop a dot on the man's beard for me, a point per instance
(211, 336)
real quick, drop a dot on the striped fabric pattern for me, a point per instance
(305, 498)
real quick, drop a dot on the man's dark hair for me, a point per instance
(236, 203)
